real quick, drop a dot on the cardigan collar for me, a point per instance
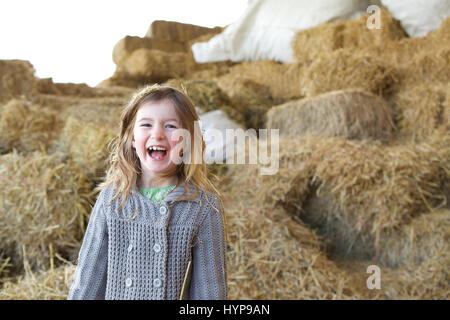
(176, 193)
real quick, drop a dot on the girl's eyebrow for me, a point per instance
(145, 118)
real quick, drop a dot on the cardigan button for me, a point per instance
(130, 248)
(157, 247)
(157, 282)
(162, 210)
(128, 282)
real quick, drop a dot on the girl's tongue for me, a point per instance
(157, 154)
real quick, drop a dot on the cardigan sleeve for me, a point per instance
(209, 272)
(90, 275)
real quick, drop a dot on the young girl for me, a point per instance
(157, 229)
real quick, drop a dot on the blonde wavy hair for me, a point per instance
(124, 165)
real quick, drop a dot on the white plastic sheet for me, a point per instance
(418, 17)
(266, 29)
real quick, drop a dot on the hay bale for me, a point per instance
(155, 65)
(270, 255)
(16, 80)
(413, 244)
(244, 91)
(87, 145)
(345, 69)
(104, 112)
(207, 95)
(204, 93)
(126, 46)
(27, 127)
(52, 284)
(284, 81)
(427, 67)
(251, 98)
(421, 109)
(358, 190)
(176, 31)
(354, 35)
(353, 114)
(430, 279)
(45, 204)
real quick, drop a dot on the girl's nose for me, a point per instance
(157, 133)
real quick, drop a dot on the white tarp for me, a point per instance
(418, 17)
(266, 29)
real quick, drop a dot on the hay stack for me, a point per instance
(16, 80)
(430, 67)
(345, 69)
(155, 65)
(104, 112)
(353, 114)
(52, 284)
(206, 94)
(176, 31)
(352, 191)
(126, 46)
(45, 204)
(283, 81)
(27, 127)
(421, 109)
(250, 98)
(87, 145)
(427, 237)
(47, 87)
(429, 279)
(270, 255)
(354, 35)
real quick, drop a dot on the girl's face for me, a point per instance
(152, 136)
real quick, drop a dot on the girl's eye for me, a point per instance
(146, 125)
(171, 126)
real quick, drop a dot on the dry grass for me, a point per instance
(283, 81)
(421, 109)
(347, 69)
(272, 256)
(16, 80)
(87, 145)
(155, 65)
(51, 284)
(311, 44)
(353, 114)
(44, 203)
(27, 127)
(352, 191)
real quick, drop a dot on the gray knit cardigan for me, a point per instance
(142, 250)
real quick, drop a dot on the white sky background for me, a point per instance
(73, 40)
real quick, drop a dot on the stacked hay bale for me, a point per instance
(352, 191)
(26, 126)
(16, 80)
(45, 204)
(421, 109)
(272, 256)
(353, 113)
(354, 35)
(163, 54)
(87, 145)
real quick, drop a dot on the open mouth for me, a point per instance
(157, 153)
